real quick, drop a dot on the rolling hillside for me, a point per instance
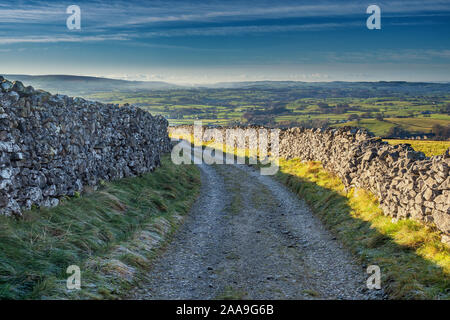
(82, 85)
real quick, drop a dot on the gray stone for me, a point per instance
(427, 194)
(18, 87)
(6, 86)
(446, 239)
(6, 173)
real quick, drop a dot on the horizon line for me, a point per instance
(193, 84)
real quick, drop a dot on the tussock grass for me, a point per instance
(413, 261)
(36, 249)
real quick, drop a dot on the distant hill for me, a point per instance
(81, 85)
(85, 86)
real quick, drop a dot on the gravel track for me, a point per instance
(248, 237)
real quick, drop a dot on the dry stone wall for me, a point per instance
(407, 183)
(54, 145)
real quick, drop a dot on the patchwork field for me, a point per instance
(397, 115)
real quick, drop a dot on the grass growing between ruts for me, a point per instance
(414, 263)
(111, 234)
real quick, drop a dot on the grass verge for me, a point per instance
(413, 261)
(112, 234)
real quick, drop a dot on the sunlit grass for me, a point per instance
(430, 148)
(414, 263)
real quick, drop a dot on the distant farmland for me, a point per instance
(321, 105)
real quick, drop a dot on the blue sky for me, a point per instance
(211, 41)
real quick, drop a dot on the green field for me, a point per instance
(378, 128)
(413, 125)
(412, 115)
(430, 148)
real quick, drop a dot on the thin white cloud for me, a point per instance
(179, 47)
(241, 30)
(384, 55)
(233, 11)
(102, 19)
(129, 13)
(57, 39)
